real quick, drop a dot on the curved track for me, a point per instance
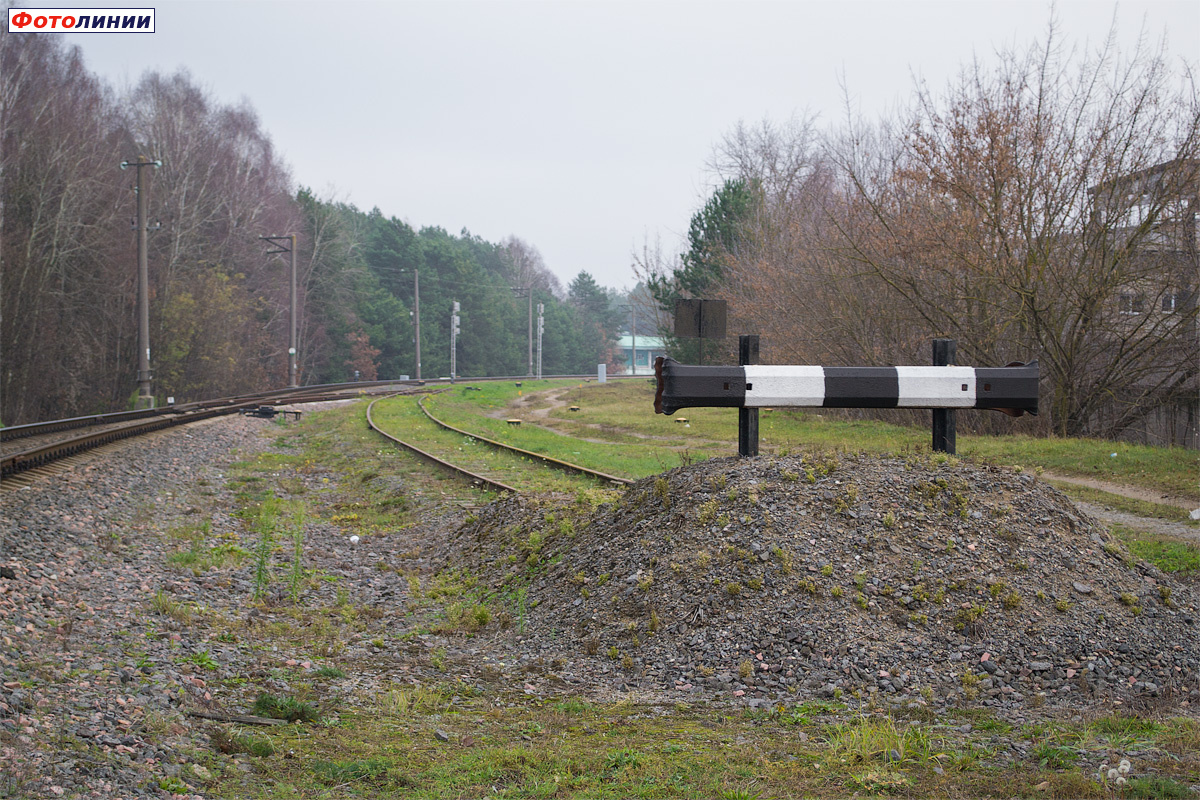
(478, 480)
(47, 448)
(551, 462)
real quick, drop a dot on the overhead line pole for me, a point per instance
(145, 398)
(290, 247)
(527, 292)
(293, 339)
(633, 337)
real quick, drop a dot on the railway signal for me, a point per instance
(541, 327)
(454, 331)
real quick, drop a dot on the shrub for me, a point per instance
(289, 708)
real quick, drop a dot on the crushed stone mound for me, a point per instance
(922, 580)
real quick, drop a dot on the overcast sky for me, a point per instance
(581, 127)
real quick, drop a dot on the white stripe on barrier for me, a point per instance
(772, 387)
(940, 387)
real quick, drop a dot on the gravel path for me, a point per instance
(108, 650)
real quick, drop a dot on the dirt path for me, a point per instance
(1151, 525)
(1133, 492)
(555, 400)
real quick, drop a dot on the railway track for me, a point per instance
(477, 479)
(547, 460)
(37, 446)
(32, 448)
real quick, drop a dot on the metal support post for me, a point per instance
(747, 417)
(145, 398)
(287, 244)
(633, 338)
(293, 341)
(943, 418)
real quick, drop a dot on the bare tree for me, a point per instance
(528, 269)
(220, 188)
(1042, 207)
(59, 205)
(1007, 219)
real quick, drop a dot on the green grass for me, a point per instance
(371, 770)
(1055, 756)
(567, 748)
(1168, 469)
(289, 708)
(329, 672)
(1157, 787)
(1169, 555)
(613, 448)
(640, 442)
(402, 418)
(1125, 731)
(199, 556)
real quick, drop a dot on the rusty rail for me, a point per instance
(430, 457)
(548, 460)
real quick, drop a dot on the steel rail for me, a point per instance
(275, 396)
(183, 413)
(53, 426)
(454, 468)
(40, 455)
(553, 462)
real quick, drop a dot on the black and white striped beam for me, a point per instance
(1013, 389)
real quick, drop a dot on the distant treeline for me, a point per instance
(218, 302)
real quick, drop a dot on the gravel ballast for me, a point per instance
(78, 716)
(919, 580)
(916, 582)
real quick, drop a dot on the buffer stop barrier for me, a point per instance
(1012, 390)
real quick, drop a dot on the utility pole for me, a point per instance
(454, 331)
(145, 398)
(417, 318)
(527, 292)
(287, 244)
